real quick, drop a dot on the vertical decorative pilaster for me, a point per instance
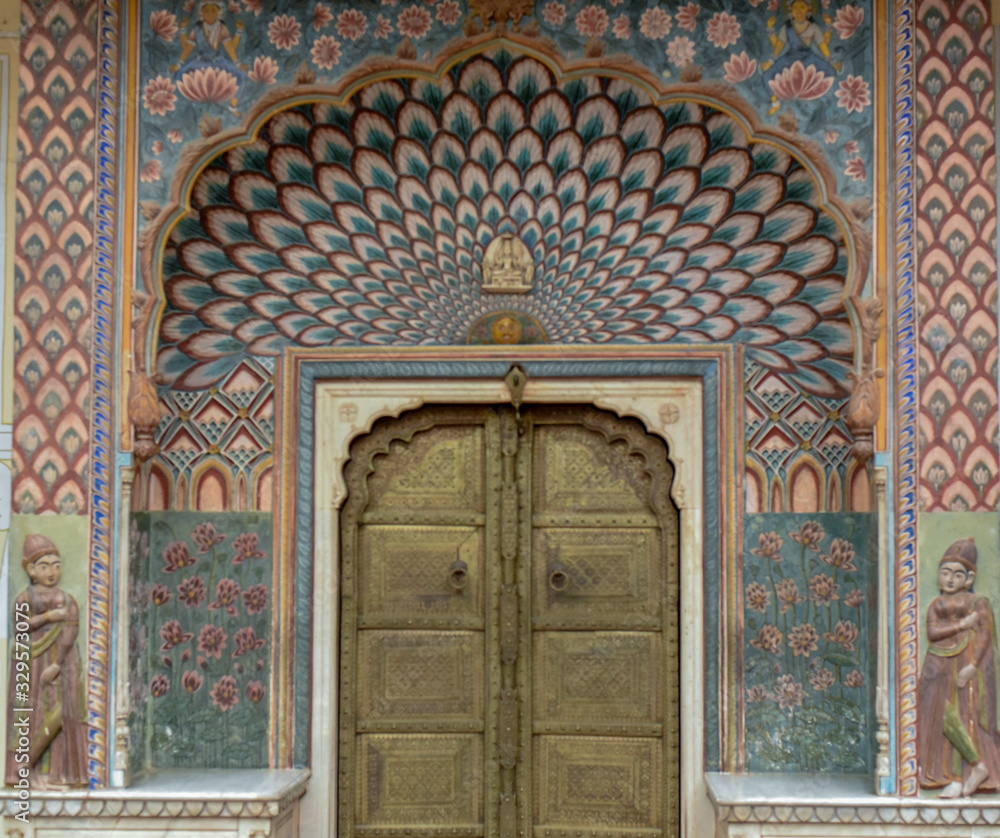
(905, 399)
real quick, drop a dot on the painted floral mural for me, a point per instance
(809, 621)
(202, 637)
(801, 63)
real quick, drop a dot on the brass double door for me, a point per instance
(509, 634)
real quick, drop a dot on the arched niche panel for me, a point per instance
(860, 490)
(806, 487)
(212, 491)
(242, 494)
(264, 497)
(159, 489)
(754, 483)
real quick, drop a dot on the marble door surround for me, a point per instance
(671, 409)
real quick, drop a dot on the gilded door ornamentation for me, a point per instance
(509, 660)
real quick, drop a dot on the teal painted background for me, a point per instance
(201, 639)
(808, 605)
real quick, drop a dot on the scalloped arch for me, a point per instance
(359, 215)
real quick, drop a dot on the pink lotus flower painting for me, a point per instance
(159, 97)
(687, 17)
(209, 664)
(164, 24)
(208, 84)
(739, 67)
(848, 21)
(284, 31)
(801, 82)
(807, 654)
(265, 70)
(592, 21)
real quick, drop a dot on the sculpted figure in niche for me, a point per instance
(959, 750)
(47, 708)
(508, 265)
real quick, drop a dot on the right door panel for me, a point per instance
(603, 541)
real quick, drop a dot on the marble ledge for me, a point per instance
(836, 799)
(175, 793)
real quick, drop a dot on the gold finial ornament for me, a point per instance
(508, 266)
(864, 405)
(144, 413)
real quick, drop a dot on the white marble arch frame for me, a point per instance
(344, 410)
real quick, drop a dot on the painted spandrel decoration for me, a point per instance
(808, 598)
(804, 63)
(958, 746)
(46, 733)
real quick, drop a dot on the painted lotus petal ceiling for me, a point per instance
(367, 222)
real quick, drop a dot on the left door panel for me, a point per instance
(418, 533)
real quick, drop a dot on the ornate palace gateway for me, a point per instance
(540, 419)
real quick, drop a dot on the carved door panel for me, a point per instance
(508, 627)
(604, 594)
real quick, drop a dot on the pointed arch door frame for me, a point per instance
(679, 396)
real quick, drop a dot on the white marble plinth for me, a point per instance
(187, 804)
(810, 805)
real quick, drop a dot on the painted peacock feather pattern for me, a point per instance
(365, 223)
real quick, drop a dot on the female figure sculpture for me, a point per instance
(958, 746)
(44, 709)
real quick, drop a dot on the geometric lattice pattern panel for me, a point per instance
(368, 223)
(956, 227)
(797, 445)
(52, 273)
(217, 445)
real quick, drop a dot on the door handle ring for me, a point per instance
(458, 576)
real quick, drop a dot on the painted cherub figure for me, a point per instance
(51, 706)
(958, 744)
